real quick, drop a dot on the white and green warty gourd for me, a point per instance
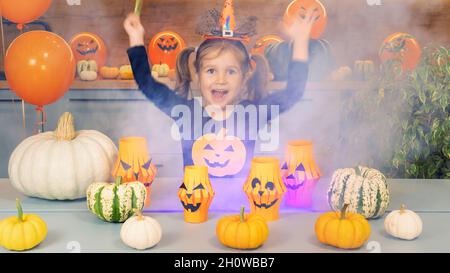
(61, 164)
(364, 189)
(115, 202)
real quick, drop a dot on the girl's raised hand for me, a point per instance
(301, 27)
(134, 29)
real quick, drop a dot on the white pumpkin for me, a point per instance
(61, 164)
(404, 224)
(141, 232)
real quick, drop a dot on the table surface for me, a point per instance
(72, 228)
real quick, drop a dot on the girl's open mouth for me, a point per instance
(219, 94)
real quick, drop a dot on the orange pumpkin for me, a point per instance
(164, 48)
(299, 7)
(263, 42)
(223, 155)
(89, 46)
(401, 48)
(109, 72)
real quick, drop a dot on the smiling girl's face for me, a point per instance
(221, 78)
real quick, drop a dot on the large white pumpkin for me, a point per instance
(61, 164)
(141, 232)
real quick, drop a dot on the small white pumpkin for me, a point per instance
(140, 232)
(61, 164)
(404, 224)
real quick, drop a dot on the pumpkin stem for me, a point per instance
(118, 181)
(241, 215)
(138, 213)
(343, 211)
(65, 129)
(19, 210)
(402, 208)
(357, 171)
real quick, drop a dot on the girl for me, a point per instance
(232, 87)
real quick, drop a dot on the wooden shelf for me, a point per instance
(131, 85)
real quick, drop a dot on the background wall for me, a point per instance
(355, 28)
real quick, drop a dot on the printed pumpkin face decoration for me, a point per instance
(402, 49)
(299, 8)
(299, 173)
(164, 48)
(196, 194)
(89, 46)
(134, 164)
(223, 155)
(262, 43)
(264, 187)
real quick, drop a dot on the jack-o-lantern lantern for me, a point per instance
(196, 194)
(134, 163)
(299, 173)
(89, 46)
(223, 155)
(402, 49)
(264, 187)
(262, 43)
(164, 48)
(299, 8)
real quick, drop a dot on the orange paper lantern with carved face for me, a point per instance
(402, 49)
(264, 187)
(196, 194)
(89, 46)
(262, 43)
(299, 8)
(223, 155)
(165, 47)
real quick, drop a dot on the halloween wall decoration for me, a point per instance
(115, 202)
(299, 7)
(134, 163)
(402, 49)
(23, 11)
(39, 67)
(109, 72)
(223, 155)
(363, 189)
(196, 194)
(125, 72)
(22, 232)
(242, 231)
(140, 232)
(404, 224)
(263, 42)
(164, 48)
(87, 70)
(342, 229)
(264, 187)
(299, 173)
(89, 46)
(61, 164)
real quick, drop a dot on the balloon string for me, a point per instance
(41, 120)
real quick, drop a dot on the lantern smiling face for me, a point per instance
(222, 155)
(89, 46)
(196, 194)
(264, 190)
(294, 180)
(164, 48)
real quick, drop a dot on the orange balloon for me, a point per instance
(299, 7)
(403, 48)
(24, 11)
(165, 47)
(89, 46)
(39, 67)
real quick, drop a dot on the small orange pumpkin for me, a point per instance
(242, 231)
(342, 229)
(299, 7)
(109, 72)
(89, 46)
(164, 48)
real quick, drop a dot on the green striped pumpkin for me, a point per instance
(115, 202)
(364, 189)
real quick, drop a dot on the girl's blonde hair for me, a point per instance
(257, 65)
